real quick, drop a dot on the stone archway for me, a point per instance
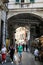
(24, 19)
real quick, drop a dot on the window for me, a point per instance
(17, 0)
(31, 1)
(22, 0)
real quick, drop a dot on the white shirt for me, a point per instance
(3, 50)
(36, 52)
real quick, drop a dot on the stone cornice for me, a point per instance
(26, 9)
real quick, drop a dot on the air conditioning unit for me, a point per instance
(5, 1)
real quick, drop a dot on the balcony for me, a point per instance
(37, 5)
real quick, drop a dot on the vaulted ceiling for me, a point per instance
(22, 20)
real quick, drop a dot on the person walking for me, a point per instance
(23, 46)
(26, 47)
(3, 53)
(11, 51)
(20, 50)
(36, 53)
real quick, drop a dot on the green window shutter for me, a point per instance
(17, 0)
(31, 1)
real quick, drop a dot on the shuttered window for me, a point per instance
(17, 0)
(32, 1)
(22, 0)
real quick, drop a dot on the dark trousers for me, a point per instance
(36, 57)
(26, 47)
(11, 56)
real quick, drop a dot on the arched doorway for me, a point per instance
(22, 35)
(22, 20)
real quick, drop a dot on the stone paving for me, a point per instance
(27, 59)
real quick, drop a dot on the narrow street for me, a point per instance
(21, 24)
(27, 59)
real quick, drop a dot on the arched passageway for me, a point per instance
(31, 21)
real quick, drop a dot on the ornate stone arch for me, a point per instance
(23, 19)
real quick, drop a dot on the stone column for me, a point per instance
(32, 37)
(0, 29)
(4, 27)
(38, 30)
(0, 25)
(4, 33)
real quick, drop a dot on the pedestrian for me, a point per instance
(3, 53)
(11, 51)
(17, 47)
(20, 50)
(26, 47)
(16, 57)
(36, 53)
(23, 46)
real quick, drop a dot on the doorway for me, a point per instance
(22, 35)
(23, 20)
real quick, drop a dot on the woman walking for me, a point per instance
(11, 51)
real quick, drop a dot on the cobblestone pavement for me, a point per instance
(27, 59)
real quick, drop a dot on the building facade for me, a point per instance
(3, 19)
(25, 6)
(30, 11)
(27, 9)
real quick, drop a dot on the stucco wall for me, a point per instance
(36, 8)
